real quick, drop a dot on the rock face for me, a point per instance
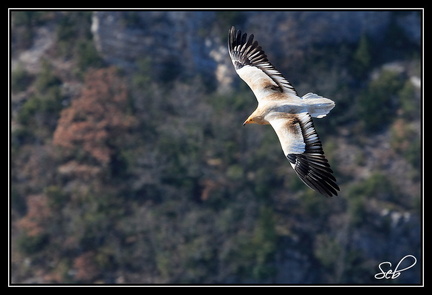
(193, 42)
(172, 40)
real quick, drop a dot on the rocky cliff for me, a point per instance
(194, 42)
(174, 41)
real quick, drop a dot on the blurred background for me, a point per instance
(129, 162)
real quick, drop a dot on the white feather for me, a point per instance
(317, 106)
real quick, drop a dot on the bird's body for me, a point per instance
(290, 115)
(274, 103)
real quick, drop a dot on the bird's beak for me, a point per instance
(246, 122)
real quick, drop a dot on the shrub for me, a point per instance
(362, 57)
(377, 104)
(20, 80)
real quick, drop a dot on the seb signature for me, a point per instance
(386, 272)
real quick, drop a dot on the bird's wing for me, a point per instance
(252, 65)
(303, 148)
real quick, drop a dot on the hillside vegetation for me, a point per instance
(130, 164)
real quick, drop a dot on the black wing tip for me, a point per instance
(312, 166)
(239, 42)
(315, 172)
(233, 35)
(248, 52)
(245, 50)
(233, 32)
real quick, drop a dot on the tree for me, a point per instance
(362, 57)
(377, 104)
(89, 128)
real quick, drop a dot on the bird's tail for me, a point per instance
(318, 106)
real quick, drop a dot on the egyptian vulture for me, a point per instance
(290, 115)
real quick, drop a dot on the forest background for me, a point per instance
(130, 165)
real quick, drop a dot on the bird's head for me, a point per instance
(255, 120)
(248, 121)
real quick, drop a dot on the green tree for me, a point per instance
(38, 115)
(362, 58)
(377, 104)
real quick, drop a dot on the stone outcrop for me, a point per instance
(193, 43)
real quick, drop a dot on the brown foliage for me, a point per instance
(38, 212)
(96, 116)
(85, 266)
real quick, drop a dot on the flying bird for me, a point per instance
(290, 115)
